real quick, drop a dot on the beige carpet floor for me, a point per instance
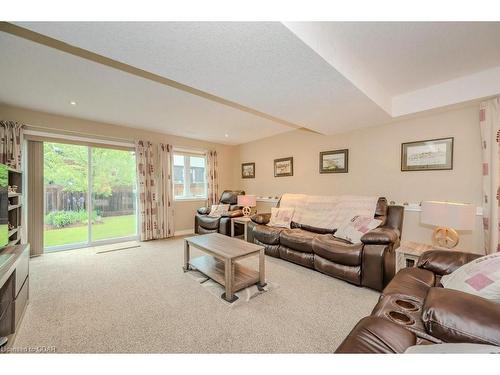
(139, 300)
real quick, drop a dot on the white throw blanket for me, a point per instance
(328, 212)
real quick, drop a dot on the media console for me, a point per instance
(14, 289)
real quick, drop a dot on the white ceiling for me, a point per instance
(394, 63)
(330, 77)
(46, 79)
(406, 56)
(261, 65)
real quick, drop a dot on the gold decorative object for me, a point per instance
(445, 237)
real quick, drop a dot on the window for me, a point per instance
(189, 176)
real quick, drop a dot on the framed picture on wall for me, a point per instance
(336, 161)
(430, 155)
(248, 170)
(283, 167)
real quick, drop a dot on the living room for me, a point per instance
(249, 186)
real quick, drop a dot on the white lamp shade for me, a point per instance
(247, 200)
(458, 216)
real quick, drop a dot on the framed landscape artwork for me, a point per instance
(336, 161)
(248, 170)
(283, 167)
(430, 155)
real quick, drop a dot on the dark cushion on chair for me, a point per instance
(230, 196)
(297, 239)
(208, 222)
(266, 234)
(337, 250)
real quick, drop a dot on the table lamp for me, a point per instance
(447, 217)
(247, 201)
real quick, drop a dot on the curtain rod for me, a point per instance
(76, 133)
(78, 138)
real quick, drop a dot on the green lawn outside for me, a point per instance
(111, 227)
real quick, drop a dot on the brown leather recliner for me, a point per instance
(206, 224)
(370, 263)
(414, 309)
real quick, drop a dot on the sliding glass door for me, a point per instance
(90, 196)
(66, 195)
(113, 194)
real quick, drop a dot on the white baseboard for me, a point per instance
(184, 232)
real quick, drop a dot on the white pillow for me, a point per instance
(281, 217)
(355, 228)
(480, 277)
(218, 210)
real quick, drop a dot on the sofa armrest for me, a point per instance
(203, 210)
(444, 262)
(234, 213)
(455, 316)
(380, 236)
(262, 219)
(374, 335)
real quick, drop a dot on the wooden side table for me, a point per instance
(240, 220)
(407, 253)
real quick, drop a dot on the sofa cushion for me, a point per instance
(351, 274)
(271, 250)
(297, 239)
(455, 316)
(266, 234)
(337, 250)
(411, 282)
(299, 257)
(208, 222)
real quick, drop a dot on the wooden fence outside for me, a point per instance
(121, 202)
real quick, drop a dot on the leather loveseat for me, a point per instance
(370, 263)
(204, 224)
(414, 309)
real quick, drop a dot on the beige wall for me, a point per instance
(374, 166)
(183, 211)
(374, 162)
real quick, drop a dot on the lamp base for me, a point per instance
(247, 211)
(445, 237)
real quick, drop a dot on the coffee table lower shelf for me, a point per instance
(214, 269)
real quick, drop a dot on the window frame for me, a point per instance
(187, 154)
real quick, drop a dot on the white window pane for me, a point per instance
(179, 160)
(189, 176)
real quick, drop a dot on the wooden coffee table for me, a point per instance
(220, 263)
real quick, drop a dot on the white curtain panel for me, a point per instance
(212, 178)
(155, 190)
(489, 122)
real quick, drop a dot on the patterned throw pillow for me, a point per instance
(480, 277)
(281, 217)
(353, 230)
(218, 210)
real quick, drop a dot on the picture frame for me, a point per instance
(248, 170)
(427, 155)
(335, 161)
(283, 167)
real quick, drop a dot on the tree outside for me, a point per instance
(113, 182)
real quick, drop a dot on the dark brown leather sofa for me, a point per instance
(370, 263)
(206, 224)
(414, 309)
